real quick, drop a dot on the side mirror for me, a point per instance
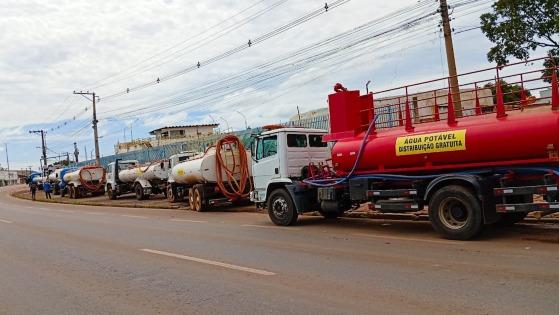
(253, 150)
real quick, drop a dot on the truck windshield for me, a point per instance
(267, 146)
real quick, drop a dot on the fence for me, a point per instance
(165, 151)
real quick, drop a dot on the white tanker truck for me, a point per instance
(129, 176)
(221, 174)
(85, 180)
(54, 178)
(125, 177)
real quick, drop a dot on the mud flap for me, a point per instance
(304, 199)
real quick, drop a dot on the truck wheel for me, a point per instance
(455, 212)
(111, 193)
(281, 208)
(172, 195)
(78, 192)
(199, 202)
(329, 215)
(139, 192)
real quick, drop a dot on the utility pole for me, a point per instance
(94, 121)
(447, 31)
(85, 152)
(7, 158)
(76, 152)
(43, 145)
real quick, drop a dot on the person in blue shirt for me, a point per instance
(47, 188)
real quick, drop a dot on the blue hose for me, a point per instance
(355, 165)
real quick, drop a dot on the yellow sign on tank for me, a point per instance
(431, 143)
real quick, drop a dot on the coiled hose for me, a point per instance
(90, 185)
(238, 174)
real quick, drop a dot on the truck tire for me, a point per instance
(172, 194)
(198, 198)
(139, 191)
(281, 208)
(455, 212)
(111, 193)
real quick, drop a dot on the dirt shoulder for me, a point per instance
(160, 202)
(127, 201)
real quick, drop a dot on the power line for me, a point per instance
(235, 50)
(173, 55)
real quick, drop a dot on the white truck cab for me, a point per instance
(281, 158)
(113, 185)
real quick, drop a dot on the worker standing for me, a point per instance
(33, 189)
(47, 189)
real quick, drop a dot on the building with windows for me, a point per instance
(167, 135)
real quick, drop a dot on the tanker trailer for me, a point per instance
(54, 178)
(465, 172)
(148, 179)
(62, 184)
(220, 175)
(87, 180)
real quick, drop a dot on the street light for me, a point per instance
(226, 122)
(244, 117)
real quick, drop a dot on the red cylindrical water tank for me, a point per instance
(520, 138)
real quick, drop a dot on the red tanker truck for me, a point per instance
(472, 156)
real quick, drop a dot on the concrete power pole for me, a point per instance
(7, 158)
(447, 31)
(43, 145)
(94, 121)
(76, 152)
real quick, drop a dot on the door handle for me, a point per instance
(276, 170)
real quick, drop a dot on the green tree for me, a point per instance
(511, 92)
(518, 27)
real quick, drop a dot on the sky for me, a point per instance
(52, 48)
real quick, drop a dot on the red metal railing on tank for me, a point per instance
(482, 92)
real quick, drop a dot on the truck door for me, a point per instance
(266, 166)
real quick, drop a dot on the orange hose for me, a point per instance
(235, 188)
(90, 186)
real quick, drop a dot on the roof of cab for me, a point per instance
(295, 130)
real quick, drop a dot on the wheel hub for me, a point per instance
(280, 207)
(453, 214)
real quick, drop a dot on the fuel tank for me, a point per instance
(520, 138)
(87, 175)
(203, 169)
(153, 171)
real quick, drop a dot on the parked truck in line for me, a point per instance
(468, 172)
(84, 181)
(220, 175)
(129, 176)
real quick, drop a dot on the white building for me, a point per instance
(167, 135)
(8, 177)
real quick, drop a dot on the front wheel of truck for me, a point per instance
(281, 208)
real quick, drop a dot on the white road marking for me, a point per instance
(412, 239)
(210, 262)
(271, 227)
(133, 216)
(6, 221)
(191, 221)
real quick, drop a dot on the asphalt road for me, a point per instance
(65, 259)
